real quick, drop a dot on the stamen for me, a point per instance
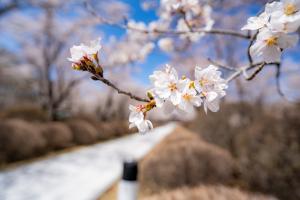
(290, 9)
(271, 41)
(187, 97)
(172, 87)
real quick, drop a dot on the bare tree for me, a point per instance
(46, 48)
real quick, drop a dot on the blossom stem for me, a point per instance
(110, 84)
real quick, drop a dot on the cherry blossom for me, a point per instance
(166, 44)
(211, 86)
(189, 98)
(269, 45)
(285, 13)
(255, 23)
(137, 118)
(167, 85)
(85, 57)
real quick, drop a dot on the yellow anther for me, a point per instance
(76, 67)
(290, 9)
(271, 41)
(203, 82)
(192, 85)
(172, 86)
(187, 97)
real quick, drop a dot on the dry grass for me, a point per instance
(184, 159)
(264, 142)
(208, 193)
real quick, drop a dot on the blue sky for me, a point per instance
(156, 58)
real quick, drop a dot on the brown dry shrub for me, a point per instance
(25, 112)
(110, 130)
(57, 134)
(268, 152)
(265, 143)
(83, 132)
(181, 159)
(208, 193)
(20, 140)
(222, 128)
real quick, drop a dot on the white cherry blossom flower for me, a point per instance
(202, 20)
(79, 51)
(167, 84)
(269, 45)
(211, 86)
(166, 44)
(136, 114)
(255, 23)
(189, 98)
(173, 5)
(137, 119)
(143, 127)
(286, 14)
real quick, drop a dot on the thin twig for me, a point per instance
(278, 73)
(221, 65)
(110, 84)
(252, 39)
(258, 69)
(240, 70)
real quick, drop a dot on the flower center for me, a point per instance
(187, 97)
(192, 85)
(140, 107)
(290, 9)
(271, 41)
(172, 87)
(203, 82)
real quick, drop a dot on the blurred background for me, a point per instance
(50, 113)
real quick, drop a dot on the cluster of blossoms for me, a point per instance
(85, 57)
(183, 94)
(180, 16)
(190, 15)
(275, 27)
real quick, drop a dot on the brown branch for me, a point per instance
(278, 73)
(9, 7)
(252, 39)
(258, 69)
(110, 84)
(240, 70)
(65, 94)
(221, 65)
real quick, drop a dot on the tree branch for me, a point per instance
(110, 84)
(168, 32)
(221, 65)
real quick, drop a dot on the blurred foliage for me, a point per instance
(83, 132)
(57, 134)
(208, 193)
(184, 159)
(265, 143)
(26, 112)
(21, 140)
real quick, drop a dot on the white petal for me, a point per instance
(287, 41)
(271, 54)
(211, 96)
(214, 105)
